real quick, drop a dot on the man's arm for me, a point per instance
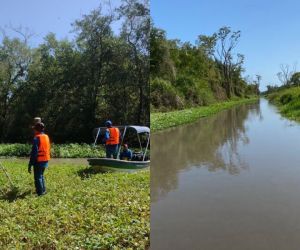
(130, 154)
(34, 152)
(107, 135)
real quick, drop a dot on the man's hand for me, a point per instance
(29, 169)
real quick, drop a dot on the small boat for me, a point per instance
(139, 160)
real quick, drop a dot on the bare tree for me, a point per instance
(286, 72)
(227, 40)
(20, 32)
(257, 83)
(258, 78)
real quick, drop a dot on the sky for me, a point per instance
(44, 16)
(270, 29)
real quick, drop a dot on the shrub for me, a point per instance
(164, 94)
(17, 149)
(286, 98)
(195, 91)
(288, 101)
(73, 150)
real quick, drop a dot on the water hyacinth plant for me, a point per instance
(81, 210)
(73, 150)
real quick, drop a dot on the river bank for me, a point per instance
(288, 102)
(163, 120)
(80, 210)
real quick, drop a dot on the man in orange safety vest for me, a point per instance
(112, 140)
(39, 157)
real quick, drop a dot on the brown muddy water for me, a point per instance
(227, 182)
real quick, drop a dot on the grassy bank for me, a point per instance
(288, 102)
(73, 150)
(81, 210)
(162, 120)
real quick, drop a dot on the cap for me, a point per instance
(108, 123)
(37, 120)
(39, 126)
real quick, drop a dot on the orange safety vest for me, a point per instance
(114, 136)
(44, 148)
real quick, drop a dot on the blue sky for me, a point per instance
(42, 17)
(270, 28)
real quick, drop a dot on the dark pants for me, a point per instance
(112, 150)
(39, 180)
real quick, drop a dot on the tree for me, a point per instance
(207, 44)
(15, 58)
(206, 72)
(227, 40)
(295, 79)
(161, 63)
(77, 85)
(136, 31)
(285, 73)
(95, 42)
(257, 83)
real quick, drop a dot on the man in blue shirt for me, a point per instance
(126, 154)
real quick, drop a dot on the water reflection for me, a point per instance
(211, 142)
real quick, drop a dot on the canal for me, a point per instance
(227, 182)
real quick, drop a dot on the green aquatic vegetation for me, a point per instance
(76, 150)
(288, 102)
(15, 149)
(81, 210)
(73, 150)
(165, 120)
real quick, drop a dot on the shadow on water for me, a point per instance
(13, 194)
(205, 143)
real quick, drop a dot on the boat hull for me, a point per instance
(115, 165)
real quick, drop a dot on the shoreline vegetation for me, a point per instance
(164, 120)
(189, 81)
(80, 210)
(288, 102)
(72, 150)
(185, 75)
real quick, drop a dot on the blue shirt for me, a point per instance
(107, 135)
(126, 154)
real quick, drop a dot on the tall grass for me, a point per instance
(288, 101)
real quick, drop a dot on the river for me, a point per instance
(227, 182)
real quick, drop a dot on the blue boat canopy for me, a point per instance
(140, 129)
